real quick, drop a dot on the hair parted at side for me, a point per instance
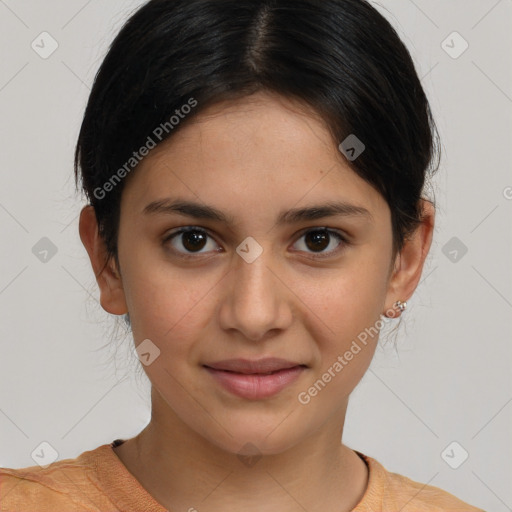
(174, 58)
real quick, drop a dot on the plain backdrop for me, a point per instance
(449, 379)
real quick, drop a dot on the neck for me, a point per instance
(183, 471)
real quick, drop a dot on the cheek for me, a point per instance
(344, 322)
(346, 301)
(169, 305)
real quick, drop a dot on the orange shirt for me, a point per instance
(98, 481)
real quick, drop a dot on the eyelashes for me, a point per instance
(325, 233)
(190, 237)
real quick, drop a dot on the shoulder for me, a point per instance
(62, 485)
(392, 491)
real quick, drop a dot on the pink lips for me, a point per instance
(255, 379)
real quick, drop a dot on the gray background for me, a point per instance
(450, 377)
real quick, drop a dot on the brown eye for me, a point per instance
(319, 239)
(193, 240)
(188, 241)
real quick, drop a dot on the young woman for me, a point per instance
(255, 171)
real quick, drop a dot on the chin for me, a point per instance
(252, 436)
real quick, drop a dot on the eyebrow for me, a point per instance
(295, 215)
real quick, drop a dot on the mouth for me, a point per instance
(255, 379)
(265, 366)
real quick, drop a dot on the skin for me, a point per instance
(251, 159)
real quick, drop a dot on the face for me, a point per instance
(263, 278)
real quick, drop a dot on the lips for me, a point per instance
(255, 380)
(249, 367)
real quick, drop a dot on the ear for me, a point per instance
(112, 297)
(408, 264)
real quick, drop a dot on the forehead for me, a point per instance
(255, 153)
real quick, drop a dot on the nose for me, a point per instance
(256, 302)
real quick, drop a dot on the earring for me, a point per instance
(400, 305)
(391, 312)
